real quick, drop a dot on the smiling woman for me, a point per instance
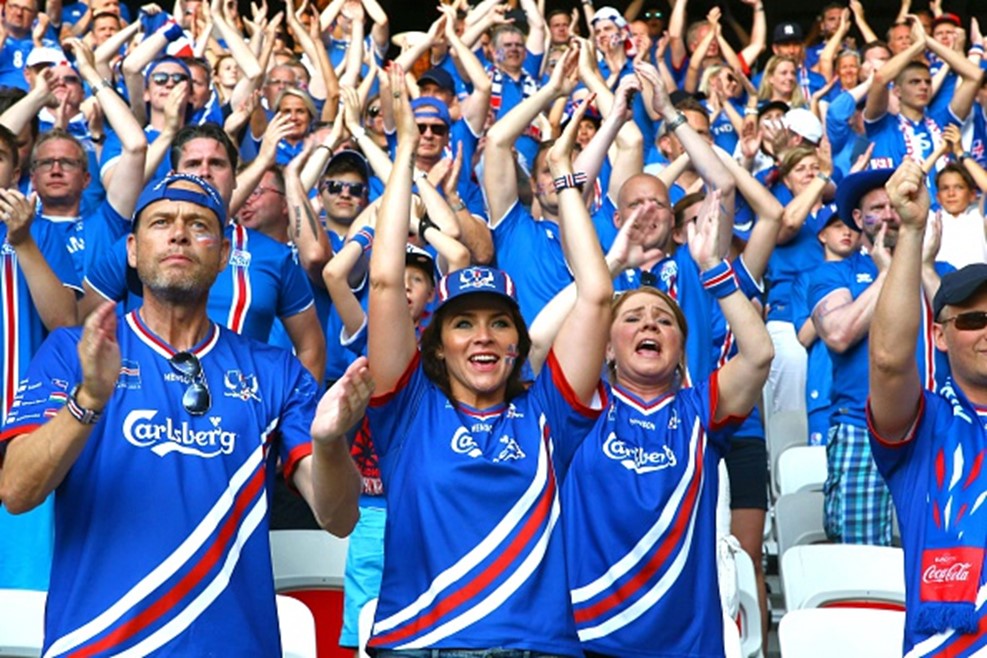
(470, 457)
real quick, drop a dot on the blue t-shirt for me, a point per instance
(112, 150)
(13, 60)
(802, 252)
(162, 520)
(474, 544)
(639, 505)
(87, 237)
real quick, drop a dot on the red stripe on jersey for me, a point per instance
(470, 590)
(10, 346)
(659, 557)
(169, 600)
(241, 284)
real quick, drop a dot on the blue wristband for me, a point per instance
(720, 281)
(364, 237)
(174, 32)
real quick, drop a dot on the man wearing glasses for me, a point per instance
(158, 432)
(18, 19)
(842, 297)
(929, 446)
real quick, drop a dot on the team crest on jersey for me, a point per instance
(668, 273)
(512, 412)
(511, 452)
(6, 249)
(239, 258)
(636, 458)
(130, 374)
(674, 421)
(463, 443)
(240, 386)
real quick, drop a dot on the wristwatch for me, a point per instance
(675, 123)
(80, 413)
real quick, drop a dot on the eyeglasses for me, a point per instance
(69, 80)
(969, 321)
(196, 398)
(162, 78)
(260, 189)
(66, 164)
(337, 187)
(438, 129)
(654, 13)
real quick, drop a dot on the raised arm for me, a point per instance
(317, 86)
(314, 249)
(860, 20)
(695, 63)
(477, 104)
(581, 342)
(390, 333)
(676, 32)
(535, 43)
(109, 49)
(966, 89)
(37, 462)
(833, 46)
(499, 183)
(767, 208)
(159, 149)
(742, 377)
(759, 35)
(380, 33)
(877, 97)
(895, 387)
(128, 180)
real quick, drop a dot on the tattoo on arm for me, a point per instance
(313, 223)
(298, 222)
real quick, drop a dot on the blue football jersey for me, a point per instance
(473, 541)
(162, 520)
(639, 505)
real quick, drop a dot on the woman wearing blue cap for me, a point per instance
(470, 457)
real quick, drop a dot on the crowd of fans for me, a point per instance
(703, 170)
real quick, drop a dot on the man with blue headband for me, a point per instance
(159, 432)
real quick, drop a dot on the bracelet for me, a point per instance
(965, 155)
(566, 181)
(720, 280)
(364, 237)
(80, 413)
(675, 123)
(826, 178)
(324, 146)
(975, 50)
(101, 85)
(424, 224)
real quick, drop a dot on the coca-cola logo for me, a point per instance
(958, 572)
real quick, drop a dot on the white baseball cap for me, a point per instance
(803, 122)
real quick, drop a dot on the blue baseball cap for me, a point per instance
(826, 216)
(438, 77)
(161, 190)
(853, 187)
(429, 106)
(477, 279)
(957, 287)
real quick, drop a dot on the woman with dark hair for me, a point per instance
(470, 457)
(639, 501)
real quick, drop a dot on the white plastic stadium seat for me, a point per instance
(731, 639)
(22, 622)
(297, 627)
(799, 519)
(802, 468)
(843, 575)
(750, 610)
(365, 625)
(307, 559)
(783, 430)
(842, 632)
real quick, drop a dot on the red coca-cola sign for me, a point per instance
(951, 574)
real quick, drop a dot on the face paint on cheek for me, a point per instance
(500, 54)
(207, 240)
(871, 221)
(512, 354)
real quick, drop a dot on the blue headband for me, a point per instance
(209, 198)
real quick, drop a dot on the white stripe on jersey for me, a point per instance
(515, 516)
(181, 621)
(643, 548)
(496, 598)
(9, 297)
(170, 566)
(657, 591)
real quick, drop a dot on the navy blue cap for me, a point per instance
(355, 157)
(429, 106)
(826, 216)
(439, 77)
(957, 287)
(421, 259)
(161, 190)
(854, 186)
(787, 32)
(477, 279)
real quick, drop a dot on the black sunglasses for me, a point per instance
(337, 187)
(969, 321)
(438, 129)
(196, 398)
(373, 111)
(162, 78)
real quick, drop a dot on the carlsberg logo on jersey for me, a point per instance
(635, 458)
(165, 437)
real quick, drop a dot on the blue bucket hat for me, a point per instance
(853, 187)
